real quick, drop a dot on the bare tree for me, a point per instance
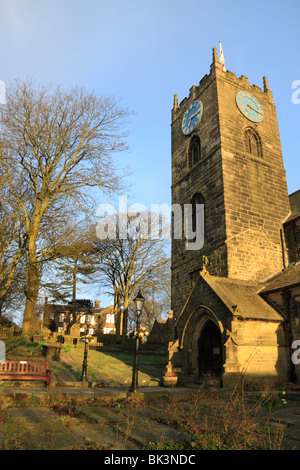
(157, 293)
(12, 242)
(54, 146)
(74, 262)
(131, 262)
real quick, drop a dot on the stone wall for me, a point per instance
(245, 196)
(256, 353)
(255, 189)
(246, 204)
(292, 234)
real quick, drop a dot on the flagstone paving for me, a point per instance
(34, 429)
(41, 428)
(108, 423)
(138, 424)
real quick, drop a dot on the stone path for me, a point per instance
(103, 422)
(113, 427)
(99, 427)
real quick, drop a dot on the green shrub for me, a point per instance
(67, 348)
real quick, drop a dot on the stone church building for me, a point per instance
(236, 299)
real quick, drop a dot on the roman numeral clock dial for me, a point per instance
(249, 106)
(192, 117)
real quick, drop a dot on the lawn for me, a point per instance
(106, 368)
(114, 367)
(216, 419)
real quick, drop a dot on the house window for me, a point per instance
(106, 331)
(110, 318)
(252, 143)
(82, 319)
(59, 329)
(194, 151)
(61, 317)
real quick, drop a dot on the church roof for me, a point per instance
(295, 206)
(286, 278)
(242, 298)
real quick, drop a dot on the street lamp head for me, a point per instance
(139, 302)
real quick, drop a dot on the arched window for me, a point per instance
(197, 199)
(194, 223)
(194, 151)
(252, 143)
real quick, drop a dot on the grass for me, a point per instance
(107, 368)
(212, 420)
(219, 421)
(19, 348)
(114, 367)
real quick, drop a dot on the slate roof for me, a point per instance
(295, 206)
(242, 298)
(286, 278)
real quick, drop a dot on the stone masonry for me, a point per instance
(241, 181)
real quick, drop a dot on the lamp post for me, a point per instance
(139, 302)
(88, 319)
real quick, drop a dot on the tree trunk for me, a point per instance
(32, 290)
(74, 281)
(118, 316)
(124, 323)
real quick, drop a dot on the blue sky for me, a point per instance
(144, 51)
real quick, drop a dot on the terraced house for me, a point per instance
(79, 317)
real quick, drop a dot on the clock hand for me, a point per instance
(254, 109)
(193, 115)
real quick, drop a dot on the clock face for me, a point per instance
(192, 117)
(249, 106)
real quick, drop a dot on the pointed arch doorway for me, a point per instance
(210, 357)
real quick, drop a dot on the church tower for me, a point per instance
(226, 155)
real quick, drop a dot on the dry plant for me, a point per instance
(223, 422)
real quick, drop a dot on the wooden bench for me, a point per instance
(25, 370)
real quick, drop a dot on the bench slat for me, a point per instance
(29, 370)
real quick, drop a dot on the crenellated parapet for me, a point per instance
(216, 71)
